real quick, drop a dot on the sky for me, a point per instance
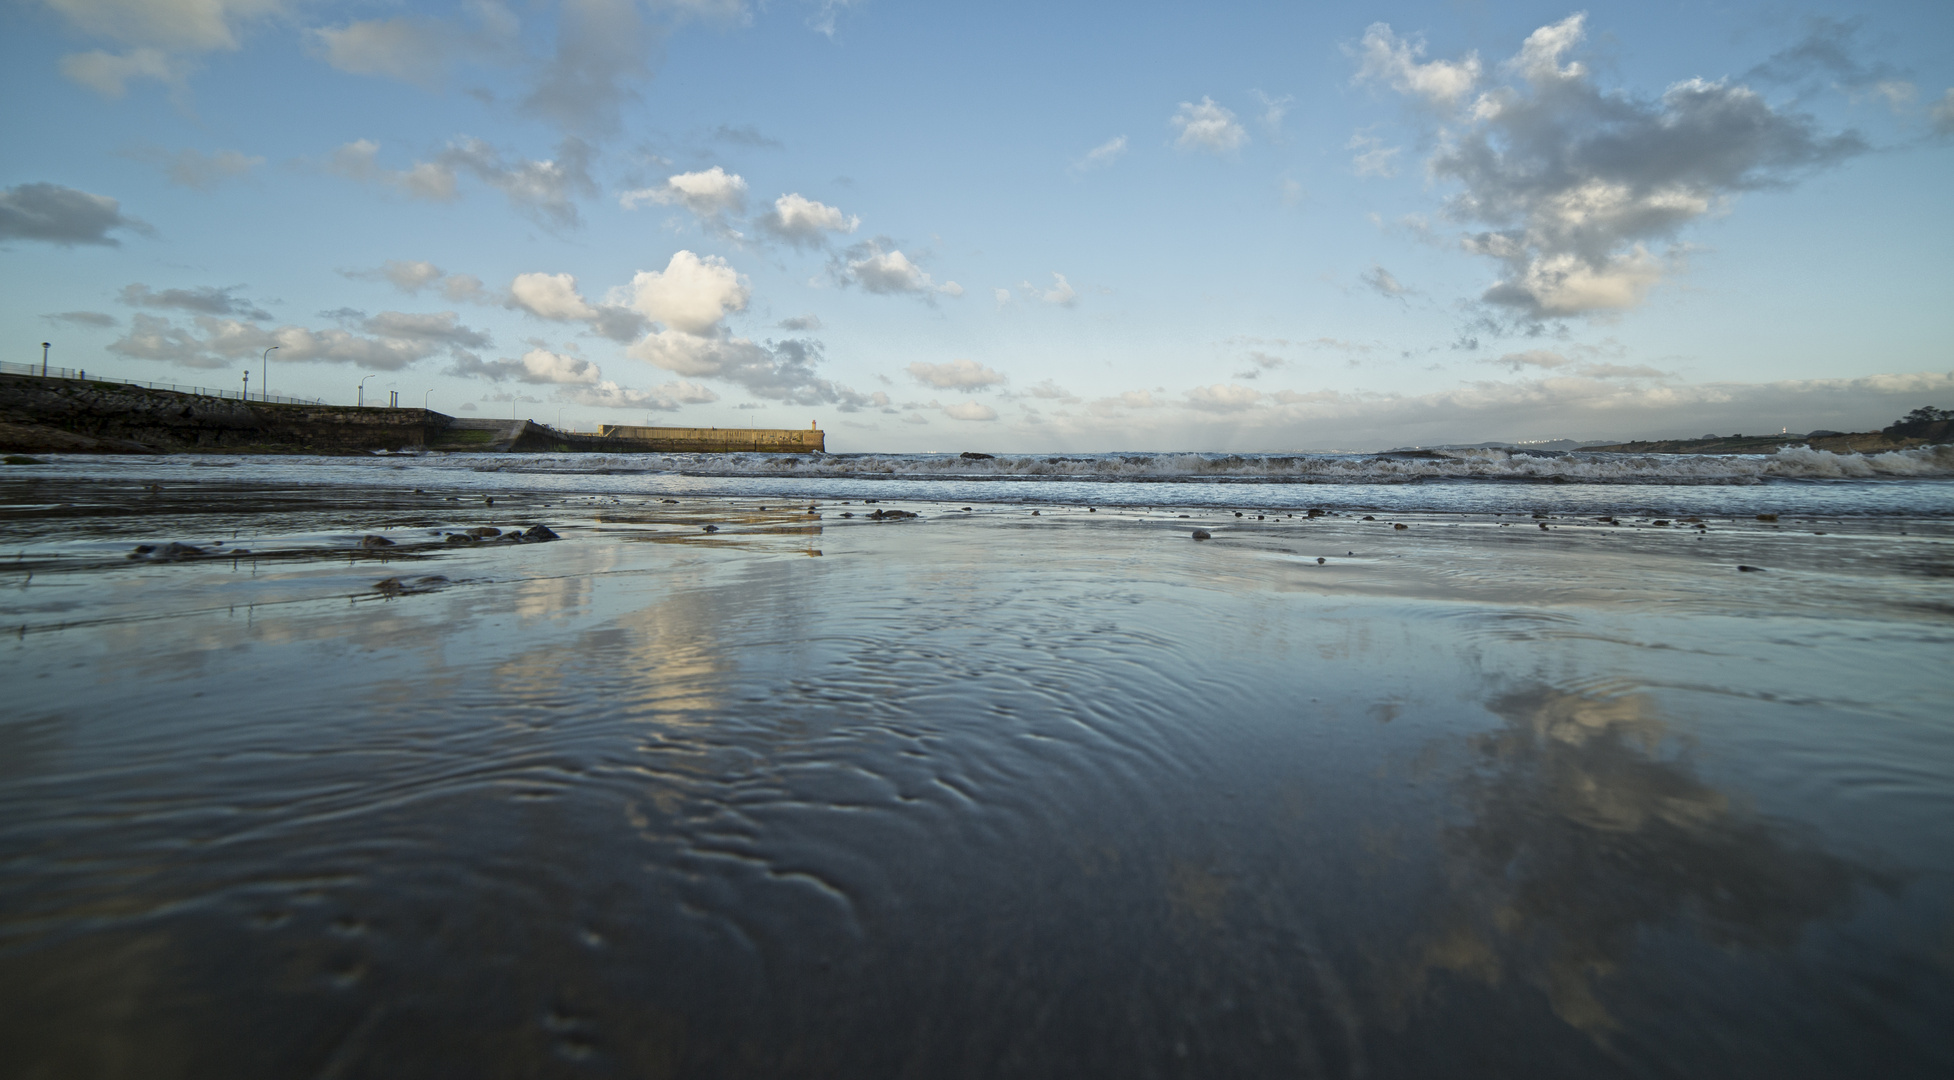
(999, 227)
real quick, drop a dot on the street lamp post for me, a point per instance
(264, 376)
(44, 348)
(361, 389)
(424, 398)
(246, 393)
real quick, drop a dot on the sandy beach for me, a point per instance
(1044, 789)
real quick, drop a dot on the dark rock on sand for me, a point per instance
(1203, 534)
(483, 532)
(394, 586)
(22, 459)
(1370, 517)
(459, 538)
(539, 532)
(1399, 525)
(892, 515)
(1320, 560)
(375, 542)
(712, 528)
(1767, 517)
(1750, 569)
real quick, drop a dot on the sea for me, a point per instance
(1408, 764)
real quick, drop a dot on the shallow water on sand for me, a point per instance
(974, 793)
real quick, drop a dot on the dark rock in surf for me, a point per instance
(969, 456)
(894, 515)
(370, 542)
(1750, 569)
(1203, 534)
(539, 532)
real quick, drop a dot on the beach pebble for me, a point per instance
(1399, 525)
(1203, 534)
(1750, 569)
(893, 515)
(1089, 509)
(1238, 513)
(1543, 526)
(459, 538)
(539, 532)
(668, 500)
(375, 542)
(1320, 560)
(1316, 513)
(712, 528)
(1034, 513)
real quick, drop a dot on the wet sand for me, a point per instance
(975, 793)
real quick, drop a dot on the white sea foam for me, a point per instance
(1789, 463)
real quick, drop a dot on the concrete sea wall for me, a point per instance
(682, 440)
(55, 415)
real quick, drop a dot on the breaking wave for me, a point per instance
(1789, 463)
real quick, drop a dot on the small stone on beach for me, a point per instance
(1750, 569)
(1202, 534)
(712, 528)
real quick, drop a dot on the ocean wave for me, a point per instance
(1788, 463)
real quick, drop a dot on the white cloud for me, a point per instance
(691, 294)
(204, 299)
(162, 36)
(410, 277)
(395, 340)
(1574, 182)
(193, 168)
(185, 25)
(1274, 109)
(1539, 58)
(542, 189)
(1384, 284)
(1223, 398)
(970, 410)
(62, 216)
(1536, 358)
(1061, 293)
(550, 296)
(538, 366)
(803, 222)
(413, 49)
(711, 192)
(1384, 57)
(666, 397)
(1208, 127)
(1941, 113)
(1374, 158)
(964, 375)
(1102, 155)
(110, 75)
(880, 269)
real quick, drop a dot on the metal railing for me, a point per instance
(8, 367)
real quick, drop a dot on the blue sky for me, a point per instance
(999, 227)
